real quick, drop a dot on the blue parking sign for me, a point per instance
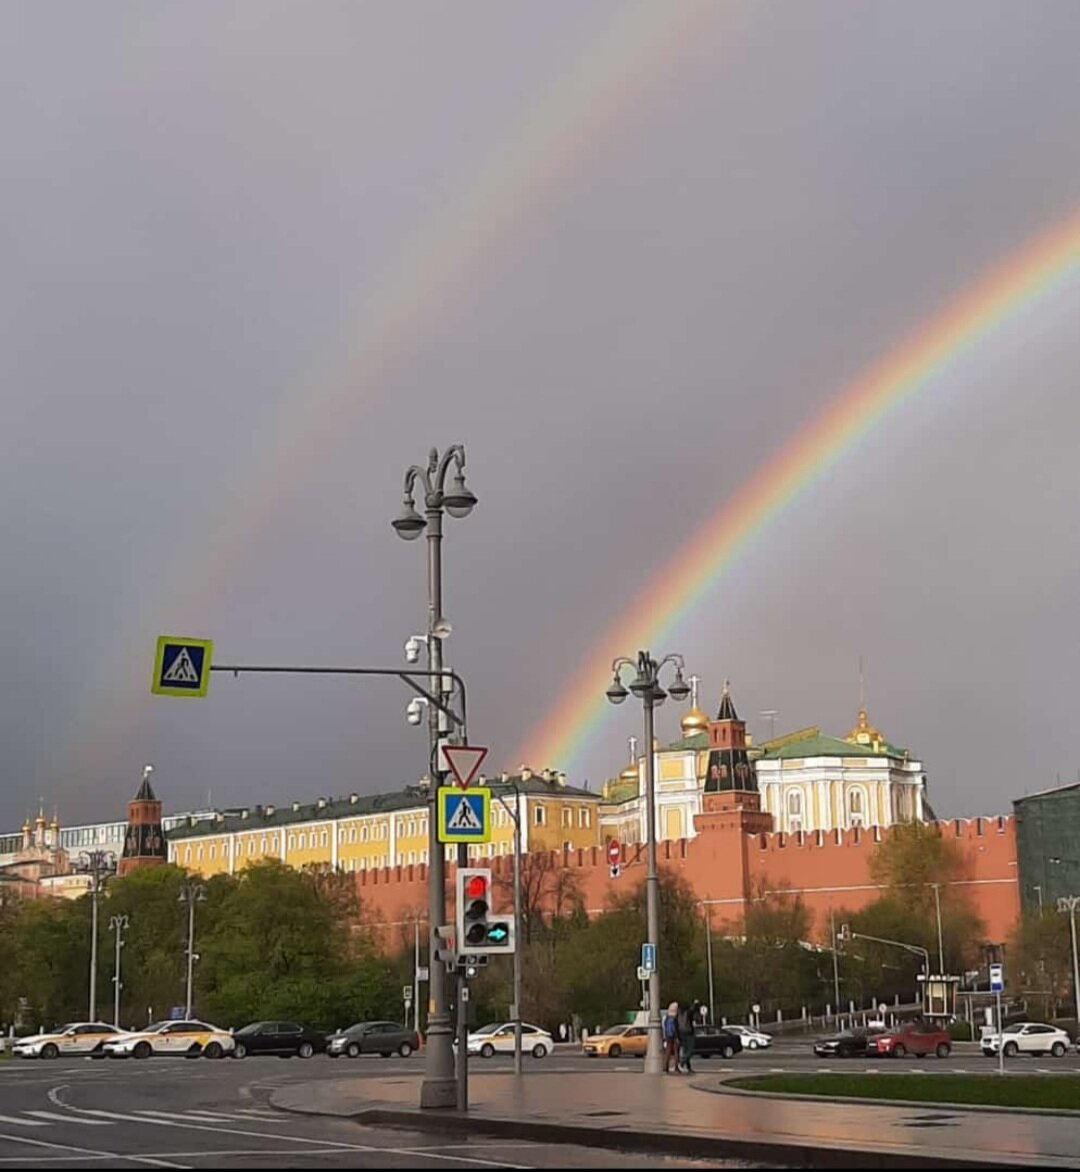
(648, 957)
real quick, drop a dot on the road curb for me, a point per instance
(986, 1108)
(769, 1152)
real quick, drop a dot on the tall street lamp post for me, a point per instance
(191, 894)
(515, 814)
(1069, 903)
(646, 687)
(438, 1088)
(97, 864)
(117, 925)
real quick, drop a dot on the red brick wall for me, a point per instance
(726, 866)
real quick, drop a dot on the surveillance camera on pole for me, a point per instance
(414, 712)
(412, 647)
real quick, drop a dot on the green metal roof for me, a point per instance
(270, 816)
(697, 741)
(825, 746)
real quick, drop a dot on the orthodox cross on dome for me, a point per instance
(633, 750)
(694, 682)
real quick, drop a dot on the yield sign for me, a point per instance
(464, 761)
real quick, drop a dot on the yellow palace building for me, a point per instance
(360, 833)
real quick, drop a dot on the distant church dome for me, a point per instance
(694, 722)
(630, 773)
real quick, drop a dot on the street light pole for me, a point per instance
(1069, 903)
(438, 1088)
(940, 946)
(119, 925)
(515, 815)
(97, 864)
(708, 960)
(646, 686)
(835, 962)
(191, 894)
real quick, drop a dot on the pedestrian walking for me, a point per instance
(671, 1038)
(684, 1030)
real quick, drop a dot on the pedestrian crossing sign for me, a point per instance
(464, 815)
(181, 666)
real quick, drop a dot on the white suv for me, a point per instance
(1027, 1037)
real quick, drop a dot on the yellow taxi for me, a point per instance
(617, 1041)
(187, 1038)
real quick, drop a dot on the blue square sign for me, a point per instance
(648, 957)
(181, 666)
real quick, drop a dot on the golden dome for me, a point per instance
(695, 721)
(630, 773)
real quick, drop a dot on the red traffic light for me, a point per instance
(476, 887)
(614, 852)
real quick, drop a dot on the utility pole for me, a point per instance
(940, 946)
(1069, 903)
(191, 894)
(119, 925)
(515, 815)
(97, 864)
(708, 961)
(835, 962)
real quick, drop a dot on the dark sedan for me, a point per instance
(373, 1037)
(848, 1044)
(283, 1038)
(715, 1042)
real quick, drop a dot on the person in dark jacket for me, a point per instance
(670, 1030)
(684, 1023)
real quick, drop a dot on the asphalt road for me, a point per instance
(196, 1113)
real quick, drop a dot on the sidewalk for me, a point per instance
(678, 1117)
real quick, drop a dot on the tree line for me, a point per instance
(273, 942)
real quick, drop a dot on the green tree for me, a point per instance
(1040, 961)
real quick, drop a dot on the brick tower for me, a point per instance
(730, 779)
(144, 845)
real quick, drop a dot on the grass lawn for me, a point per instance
(1057, 1092)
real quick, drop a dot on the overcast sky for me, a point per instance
(259, 257)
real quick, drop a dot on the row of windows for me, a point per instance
(856, 812)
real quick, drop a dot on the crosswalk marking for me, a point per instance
(54, 1117)
(22, 1122)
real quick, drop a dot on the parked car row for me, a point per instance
(922, 1039)
(198, 1038)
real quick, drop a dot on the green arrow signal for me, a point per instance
(497, 933)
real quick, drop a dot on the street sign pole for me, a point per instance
(997, 983)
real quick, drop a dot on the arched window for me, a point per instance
(363, 833)
(855, 807)
(795, 810)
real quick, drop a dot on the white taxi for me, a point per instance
(185, 1038)
(498, 1038)
(80, 1037)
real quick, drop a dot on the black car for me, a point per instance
(284, 1038)
(715, 1042)
(848, 1044)
(373, 1037)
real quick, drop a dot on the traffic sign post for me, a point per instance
(464, 761)
(463, 816)
(648, 958)
(181, 666)
(614, 857)
(997, 984)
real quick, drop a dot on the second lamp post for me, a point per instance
(646, 686)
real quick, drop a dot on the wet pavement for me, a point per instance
(627, 1109)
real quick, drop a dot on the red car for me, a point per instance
(914, 1037)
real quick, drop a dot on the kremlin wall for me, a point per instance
(811, 829)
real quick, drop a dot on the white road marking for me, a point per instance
(22, 1122)
(53, 1117)
(90, 1153)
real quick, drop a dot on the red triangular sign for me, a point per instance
(464, 761)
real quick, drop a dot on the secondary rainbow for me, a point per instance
(1031, 273)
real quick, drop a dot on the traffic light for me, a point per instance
(477, 929)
